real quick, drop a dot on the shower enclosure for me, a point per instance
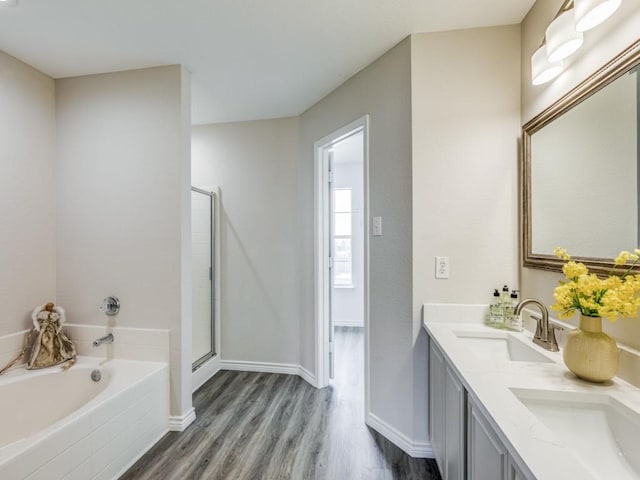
(203, 211)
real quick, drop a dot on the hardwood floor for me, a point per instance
(261, 426)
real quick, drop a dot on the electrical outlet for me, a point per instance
(442, 267)
(377, 226)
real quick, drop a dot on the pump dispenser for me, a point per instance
(513, 321)
(503, 303)
(504, 296)
(495, 311)
(500, 308)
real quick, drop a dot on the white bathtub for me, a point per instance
(58, 425)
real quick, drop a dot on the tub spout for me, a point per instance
(106, 339)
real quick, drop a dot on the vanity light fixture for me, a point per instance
(542, 70)
(8, 3)
(564, 35)
(591, 13)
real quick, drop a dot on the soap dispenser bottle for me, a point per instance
(501, 311)
(513, 321)
(494, 309)
(504, 296)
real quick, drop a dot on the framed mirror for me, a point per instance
(581, 171)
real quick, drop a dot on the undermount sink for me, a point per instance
(502, 346)
(600, 430)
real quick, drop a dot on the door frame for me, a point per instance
(321, 249)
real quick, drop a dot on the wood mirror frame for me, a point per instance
(619, 65)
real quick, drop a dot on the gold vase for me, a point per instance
(590, 353)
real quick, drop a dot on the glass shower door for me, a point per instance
(202, 238)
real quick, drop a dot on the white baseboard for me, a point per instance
(414, 449)
(204, 372)
(307, 376)
(287, 368)
(348, 323)
(178, 423)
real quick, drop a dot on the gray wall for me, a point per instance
(27, 192)
(266, 175)
(466, 124)
(94, 185)
(255, 166)
(443, 175)
(123, 203)
(382, 90)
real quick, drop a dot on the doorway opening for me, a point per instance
(342, 231)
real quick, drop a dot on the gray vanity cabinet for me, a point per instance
(447, 416)
(515, 473)
(437, 405)
(464, 444)
(487, 458)
(455, 425)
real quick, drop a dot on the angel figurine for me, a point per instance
(51, 346)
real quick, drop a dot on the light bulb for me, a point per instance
(542, 70)
(591, 13)
(562, 38)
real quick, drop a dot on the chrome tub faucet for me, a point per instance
(106, 339)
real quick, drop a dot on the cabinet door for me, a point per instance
(437, 404)
(454, 450)
(486, 455)
(515, 473)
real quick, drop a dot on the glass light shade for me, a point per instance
(562, 37)
(542, 70)
(591, 13)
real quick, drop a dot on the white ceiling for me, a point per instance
(249, 59)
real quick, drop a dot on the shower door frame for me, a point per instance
(214, 199)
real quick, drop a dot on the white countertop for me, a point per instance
(490, 381)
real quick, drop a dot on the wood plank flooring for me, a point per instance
(260, 426)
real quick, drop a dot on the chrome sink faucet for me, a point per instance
(545, 334)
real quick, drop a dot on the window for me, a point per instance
(342, 257)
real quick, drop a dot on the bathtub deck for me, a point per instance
(268, 426)
(94, 436)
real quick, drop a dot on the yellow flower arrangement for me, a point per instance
(611, 297)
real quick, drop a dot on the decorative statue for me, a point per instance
(50, 346)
